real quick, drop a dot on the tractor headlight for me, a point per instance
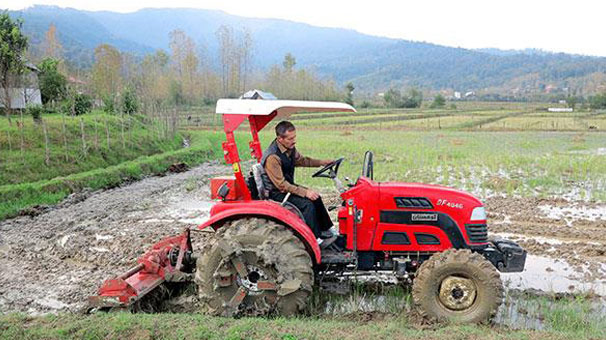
(478, 214)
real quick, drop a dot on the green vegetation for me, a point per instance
(130, 105)
(598, 101)
(373, 64)
(512, 150)
(369, 311)
(44, 161)
(205, 146)
(76, 144)
(13, 45)
(53, 84)
(395, 99)
(438, 102)
(196, 326)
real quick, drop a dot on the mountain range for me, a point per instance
(372, 63)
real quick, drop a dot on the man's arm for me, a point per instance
(273, 168)
(309, 162)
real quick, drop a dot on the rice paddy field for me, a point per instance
(515, 150)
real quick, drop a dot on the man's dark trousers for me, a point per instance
(314, 212)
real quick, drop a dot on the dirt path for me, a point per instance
(55, 260)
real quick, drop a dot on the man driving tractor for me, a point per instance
(279, 162)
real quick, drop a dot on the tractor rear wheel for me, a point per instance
(253, 267)
(459, 286)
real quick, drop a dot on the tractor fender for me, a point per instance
(226, 211)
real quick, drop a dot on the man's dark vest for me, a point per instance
(288, 165)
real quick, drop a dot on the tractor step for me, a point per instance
(330, 256)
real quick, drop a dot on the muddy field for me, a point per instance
(54, 260)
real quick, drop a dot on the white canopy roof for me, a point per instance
(284, 107)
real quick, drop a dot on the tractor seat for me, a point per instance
(258, 171)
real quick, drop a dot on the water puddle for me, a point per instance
(594, 152)
(544, 312)
(554, 276)
(572, 213)
(542, 239)
(520, 309)
(51, 303)
(103, 237)
(63, 241)
(191, 212)
(100, 249)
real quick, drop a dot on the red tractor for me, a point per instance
(263, 259)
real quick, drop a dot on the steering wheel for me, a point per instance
(331, 168)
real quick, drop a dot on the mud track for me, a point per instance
(569, 234)
(55, 260)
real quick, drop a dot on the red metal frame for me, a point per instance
(230, 150)
(257, 123)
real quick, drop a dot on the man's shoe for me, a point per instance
(326, 234)
(328, 242)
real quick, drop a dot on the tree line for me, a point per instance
(120, 82)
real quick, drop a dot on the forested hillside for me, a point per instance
(373, 64)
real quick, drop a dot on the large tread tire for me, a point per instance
(267, 245)
(458, 264)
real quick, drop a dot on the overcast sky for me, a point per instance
(561, 26)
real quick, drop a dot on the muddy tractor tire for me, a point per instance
(254, 267)
(457, 286)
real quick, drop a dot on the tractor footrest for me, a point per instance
(332, 257)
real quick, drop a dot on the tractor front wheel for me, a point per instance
(254, 267)
(458, 286)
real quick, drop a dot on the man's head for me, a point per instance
(286, 134)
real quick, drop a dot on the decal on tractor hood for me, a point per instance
(445, 202)
(424, 217)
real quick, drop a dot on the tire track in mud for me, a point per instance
(55, 260)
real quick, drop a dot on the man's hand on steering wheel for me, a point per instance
(332, 167)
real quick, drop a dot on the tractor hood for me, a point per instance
(426, 197)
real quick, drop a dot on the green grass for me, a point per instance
(204, 146)
(575, 316)
(368, 312)
(23, 150)
(196, 326)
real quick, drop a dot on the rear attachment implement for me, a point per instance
(170, 260)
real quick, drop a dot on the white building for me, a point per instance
(22, 97)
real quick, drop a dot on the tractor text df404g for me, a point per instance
(263, 259)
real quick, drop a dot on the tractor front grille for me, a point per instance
(477, 233)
